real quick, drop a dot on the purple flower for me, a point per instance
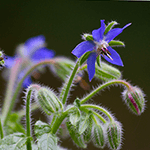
(99, 46)
(31, 52)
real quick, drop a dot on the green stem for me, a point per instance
(1, 130)
(22, 112)
(60, 119)
(103, 86)
(28, 125)
(100, 109)
(9, 107)
(9, 92)
(67, 85)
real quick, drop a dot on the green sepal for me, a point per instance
(77, 103)
(16, 141)
(83, 123)
(87, 37)
(84, 57)
(74, 117)
(116, 43)
(77, 139)
(114, 135)
(88, 132)
(107, 72)
(41, 128)
(99, 137)
(109, 26)
(47, 141)
(98, 60)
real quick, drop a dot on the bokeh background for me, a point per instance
(62, 23)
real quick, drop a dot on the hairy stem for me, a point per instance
(9, 92)
(28, 125)
(67, 85)
(106, 84)
(11, 101)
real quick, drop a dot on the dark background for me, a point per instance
(62, 23)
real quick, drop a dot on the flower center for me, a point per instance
(101, 48)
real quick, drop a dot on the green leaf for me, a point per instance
(109, 26)
(16, 141)
(88, 131)
(84, 57)
(78, 139)
(41, 128)
(47, 142)
(116, 43)
(14, 125)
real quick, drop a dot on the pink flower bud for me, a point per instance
(134, 98)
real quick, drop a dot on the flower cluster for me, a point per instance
(32, 51)
(99, 45)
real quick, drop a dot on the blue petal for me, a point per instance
(42, 54)
(33, 44)
(91, 65)
(115, 56)
(27, 82)
(82, 48)
(98, 33)
(114, 32)
(10, 61)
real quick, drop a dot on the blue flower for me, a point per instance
(31, 52)
(99, 46)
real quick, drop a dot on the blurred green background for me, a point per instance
(62, 23)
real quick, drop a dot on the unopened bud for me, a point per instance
(62, 67)
(99, 136)
(134, 98)
(48, 100)
(107, 72)
(114, 134)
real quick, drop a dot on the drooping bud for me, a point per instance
(114, 135)
(107, 72)
(48, 100)
(99, 136)
(134, 98)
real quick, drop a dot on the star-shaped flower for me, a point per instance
(31, 52)
(99, 45)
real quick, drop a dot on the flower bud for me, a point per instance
(62, 67)
(114, 131)
(134, 98)
(99, 136)
(48, 100)
(107, 72)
